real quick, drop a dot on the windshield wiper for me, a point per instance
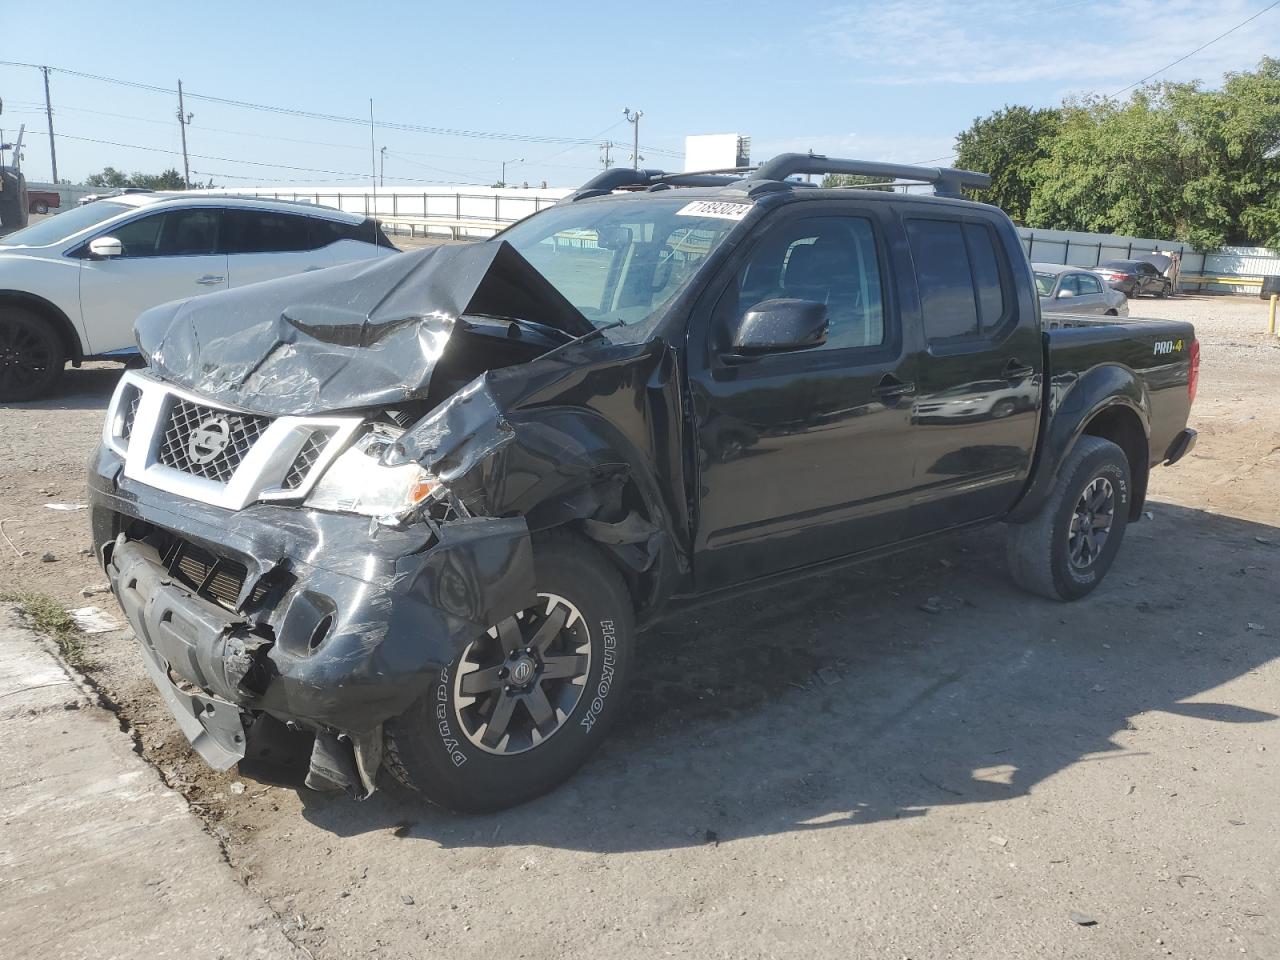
(584, 337)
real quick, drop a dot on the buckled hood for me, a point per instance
(359, 335)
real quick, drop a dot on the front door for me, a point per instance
(167, 255)
(800, 454)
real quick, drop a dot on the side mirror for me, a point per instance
(777, 326)
(106, 247)
(1065, 294)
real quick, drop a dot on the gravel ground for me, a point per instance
(849, 772)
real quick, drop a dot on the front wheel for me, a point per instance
(31, 355)
(1067, 548)
(523, 705)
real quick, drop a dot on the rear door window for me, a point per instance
(266, 231)
(1088, 284)
(960, 277)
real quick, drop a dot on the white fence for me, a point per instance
(461, 212)
(477, 212)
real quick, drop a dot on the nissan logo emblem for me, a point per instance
(209, 440)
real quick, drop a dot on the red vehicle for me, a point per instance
(42, 201)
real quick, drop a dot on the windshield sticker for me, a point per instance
(716, 209)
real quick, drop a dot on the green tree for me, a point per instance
(1173, 160)
(169, 179)
(1007, 145)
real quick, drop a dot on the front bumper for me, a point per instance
(338, 625)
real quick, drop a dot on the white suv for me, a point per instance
(72, 286)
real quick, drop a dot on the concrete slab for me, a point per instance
(98, 858)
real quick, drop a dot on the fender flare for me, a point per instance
(1108, 386)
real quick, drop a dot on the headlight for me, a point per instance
(357, 482)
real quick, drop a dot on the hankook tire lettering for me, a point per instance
(606, 675)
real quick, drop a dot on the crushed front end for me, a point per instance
(279, 567)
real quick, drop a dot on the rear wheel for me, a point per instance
(31, 355)
(522, 706)
(1067, 548)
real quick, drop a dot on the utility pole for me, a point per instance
(183, 119)
(382, 167)
(373, 156)
(634, 120)
(605, 160)
(48, 112)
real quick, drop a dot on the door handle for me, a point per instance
(890, 388)
(209, 279)
(1015, 370)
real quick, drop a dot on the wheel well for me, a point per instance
(61, 323)
(1121, 426)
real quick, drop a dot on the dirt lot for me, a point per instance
(826, 769)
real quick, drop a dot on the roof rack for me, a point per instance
(946, 181)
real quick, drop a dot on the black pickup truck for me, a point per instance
(419, 508)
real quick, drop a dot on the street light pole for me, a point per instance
(503, 181)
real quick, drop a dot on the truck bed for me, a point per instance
(1158, 351)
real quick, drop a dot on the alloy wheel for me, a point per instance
(25, 357)
(1091, 523)
(517, 685)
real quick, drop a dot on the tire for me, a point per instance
(31, 355)
(1164, 291)
(437, 747)
(1044, 556)
(1005, 407)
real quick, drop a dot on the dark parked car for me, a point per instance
(420, 507)
(1133, 278)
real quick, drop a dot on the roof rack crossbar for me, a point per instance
(946, 181)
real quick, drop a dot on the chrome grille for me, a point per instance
(306, 458)
(132, 397)
(208, 442)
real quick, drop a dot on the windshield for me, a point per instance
(64, 224)
(623, 258)
(1045, 282)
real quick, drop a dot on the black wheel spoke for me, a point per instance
(499, 720)
(549, 629)
(509, 635)
(539, 708)
(481, 681)
(566, 667)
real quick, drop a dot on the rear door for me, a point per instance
(167, 255)
(1090, 296)
(800, 454)
(979, 375)
(265, 244)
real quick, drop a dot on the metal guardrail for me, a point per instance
(453, 212)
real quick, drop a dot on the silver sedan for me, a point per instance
(1067, 289)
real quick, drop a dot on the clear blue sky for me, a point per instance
(892, 81)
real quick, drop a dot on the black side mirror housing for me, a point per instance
(779, 326)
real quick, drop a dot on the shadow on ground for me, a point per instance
(80, 388)
(842, 700)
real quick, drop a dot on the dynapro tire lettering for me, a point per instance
(606, 675)
(451, 745)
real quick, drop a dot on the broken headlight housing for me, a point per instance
(359, 482)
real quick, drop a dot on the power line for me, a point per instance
(313, 115)
(253, 163)
(1139, 83)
